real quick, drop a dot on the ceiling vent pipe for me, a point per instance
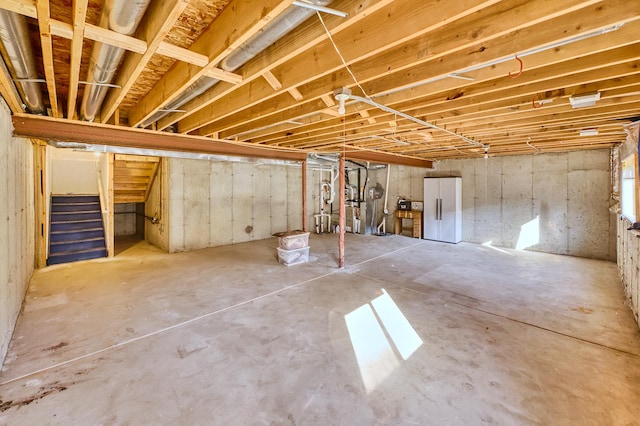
(18, 56)
(276, 29)
(122, 16)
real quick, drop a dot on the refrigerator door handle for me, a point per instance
(437, 204)
(440, 211)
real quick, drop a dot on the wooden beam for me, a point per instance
(184, 55)
(365, 114)
(137, 158)
(447, 54)
(295, 94)
(329, 101)
(297, 42)
(152, 178)
(78, 18)
(493, 104)
(110, 231)
(40, 203)
(381, 157)
(132, 44)
(410, 19)
(47, 53)
(272, 80)
(161, 18)
(22, 7)
(497, 103)
(104, 134)
(8, 90)
(332, 112)
(103, 35)
(223, 75)
(234, 26)
(529, 38)
(341, 211)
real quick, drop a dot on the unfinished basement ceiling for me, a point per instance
(450, 64)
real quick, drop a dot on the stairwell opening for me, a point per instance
(129, 223)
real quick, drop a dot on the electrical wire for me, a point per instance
(367, 99)
(414, 119)
(529, 144)
(341, 57)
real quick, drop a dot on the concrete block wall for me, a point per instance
(567, 193)
(404, 182)
(217, 203)
(17, 239)
(124, 220)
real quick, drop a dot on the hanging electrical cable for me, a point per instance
(415, 119)
(341, 57)
(344, 94)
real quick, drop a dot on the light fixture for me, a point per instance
(342, 95)
(584, 100)
(589, 132)
(486, 151)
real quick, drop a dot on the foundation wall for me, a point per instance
(17, 239)
(554, 203)
(216, 203)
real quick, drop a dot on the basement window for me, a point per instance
(628, 188)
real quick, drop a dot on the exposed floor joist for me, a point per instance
(449, 66)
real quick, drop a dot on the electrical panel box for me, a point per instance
(404, 205)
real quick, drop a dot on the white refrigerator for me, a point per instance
(442, 214)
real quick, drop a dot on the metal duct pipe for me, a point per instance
(18, 55)
(278, 28)
(327, 157)
(122, 16)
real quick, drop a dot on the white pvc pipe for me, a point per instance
(385, 211)
(414, 119)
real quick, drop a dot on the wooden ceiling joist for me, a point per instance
(240, 23)
(305, 67)
(290, 46)
(78, 16)
(448, 66)
(374, 71)
(47, 53)
(9, 92)
(162, 17)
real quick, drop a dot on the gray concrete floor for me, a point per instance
(411, 332)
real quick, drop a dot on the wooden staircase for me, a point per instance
(133, 176)
(76, 229)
